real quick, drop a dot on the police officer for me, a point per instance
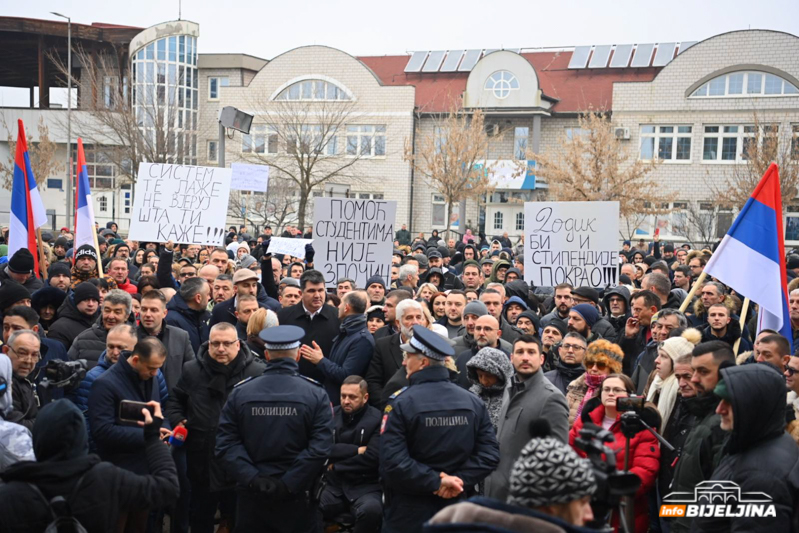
(437, 439)
(275, 434)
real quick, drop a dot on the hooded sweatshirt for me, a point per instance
(15, 439)
(496, 363)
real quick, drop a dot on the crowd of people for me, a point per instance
(453, 396)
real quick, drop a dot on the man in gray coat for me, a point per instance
(528, 396)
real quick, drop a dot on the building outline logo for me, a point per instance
(717, 499)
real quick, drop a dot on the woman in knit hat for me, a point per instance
(601, 359)
(375, 318)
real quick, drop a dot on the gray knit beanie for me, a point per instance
(476, 308)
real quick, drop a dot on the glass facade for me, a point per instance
(165, 96)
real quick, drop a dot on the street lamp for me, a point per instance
(69, 117)
(230, 117)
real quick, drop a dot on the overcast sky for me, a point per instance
(268, 28)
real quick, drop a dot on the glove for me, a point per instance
(309, 253)
(263, 483)
(265, 245)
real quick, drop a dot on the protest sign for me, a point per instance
(353, 239)
(249, 177)
(181, 203)
(292, 247)
(571, 242)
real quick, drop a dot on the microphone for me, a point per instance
(178, 437)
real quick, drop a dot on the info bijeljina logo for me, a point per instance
(721, 499)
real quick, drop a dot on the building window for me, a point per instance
(368, 196)
(100, 169)
(55, 183)
(499, 219)
(520, 221)
(520, 138)
(103, 202)
(732, 143)
(439, 211)
(440, 136)
(214, 84)
(213, 156)
(366, 141)
(571, 133)
(110, 88)
(673, 143)
(127, 202)
(313, 140)
(262, 139)
(501, 83)
(795, 142)
(313, 90)
(746, 84)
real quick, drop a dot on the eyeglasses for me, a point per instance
(600, 365)
(573, 347)
(790, 371)
(226, 344)
(35, 356)
(614, 390)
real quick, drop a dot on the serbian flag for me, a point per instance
(751, 257)
(84, 209)
(27, 210)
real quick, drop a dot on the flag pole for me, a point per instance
(41, 253)
(697, 284)
(99, 256)
(744, 310)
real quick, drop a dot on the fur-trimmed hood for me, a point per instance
(493, 361)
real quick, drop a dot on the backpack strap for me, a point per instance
(49, 503)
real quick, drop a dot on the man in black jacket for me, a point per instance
(352, 476)
(98, 493)
(196, 403)
(245, 281)
(78, 312)
(23, 349)
(187, 310)
(319, 321)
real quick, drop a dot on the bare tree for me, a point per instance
(277, 207)
(596, 166)
(451, 156)
(696, 224)
(42, 155)
(309, 143)
(765, 144)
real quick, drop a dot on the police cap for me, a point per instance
(282, 337)
(429, 344)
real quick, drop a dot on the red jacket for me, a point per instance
(644, 462)
(128, 287)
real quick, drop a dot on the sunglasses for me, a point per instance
(600, 365)
(790, 371)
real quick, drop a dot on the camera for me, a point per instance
(60, 374)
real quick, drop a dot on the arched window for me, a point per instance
(499, 220)
(501, 83)
(745, 83)
(319, 90)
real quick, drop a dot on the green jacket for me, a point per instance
(404, 237)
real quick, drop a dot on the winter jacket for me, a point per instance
(118, 443)
(226, 311)
(193, 322)
(466, 342)
(403, 237)
(701, 452)
(350, 355)
(178, 351)
(323, 328)
(575, 392)
(496, 364)
(644, 460)
(462, 359)
(759, 456)
(617, 322)
(80, 396)
(632, 348)
(513, 300)
(508, 331)
(198, 398)
(679, 425)
(90, 344)
(387, 359)
(25, 405)
(549, 317)
(33, 283)
(732, 334)
(564, 374)
(128, 286)
(643, 366)
(105, 492)
(70, 323)
(523, 402)
(355, 474)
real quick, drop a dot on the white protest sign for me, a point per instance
(249, 177)
(181, 203)
(353, 239)
(292, 247)
(571, 242)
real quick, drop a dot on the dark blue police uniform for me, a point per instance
(275, 434)
(432, 426)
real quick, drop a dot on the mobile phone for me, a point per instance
(631, 403)
(657, 231)
(130, 411)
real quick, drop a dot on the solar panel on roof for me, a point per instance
(621, 57)
(434, 61)
(452, 61)
(664, 54)
(580, 57)
(685, 46)
(416, 62)
(643, 55)
(600, 57)
(469, 60)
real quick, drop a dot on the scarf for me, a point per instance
(668, 389)
(593, 382)
(79, 276)
(220, 374)
(570, 372)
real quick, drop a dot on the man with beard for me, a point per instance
(551, 336)
(376, 289)
(637, 334)
(773, 349)
(563, 302)
(58, 276)
(352, 475)
(570, 363)
(453, 307)
(721, 327)
(392, 301)
(701, 452)
(472, 277)
(582, 318)
(663, 323)
(486, 335)
(617, 302)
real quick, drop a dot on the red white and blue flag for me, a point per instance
(84, 209)
(751, 257)
(27, 210)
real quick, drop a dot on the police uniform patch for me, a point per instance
(383, 423)
(243, 381)
(397, 393)
(388, 409)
